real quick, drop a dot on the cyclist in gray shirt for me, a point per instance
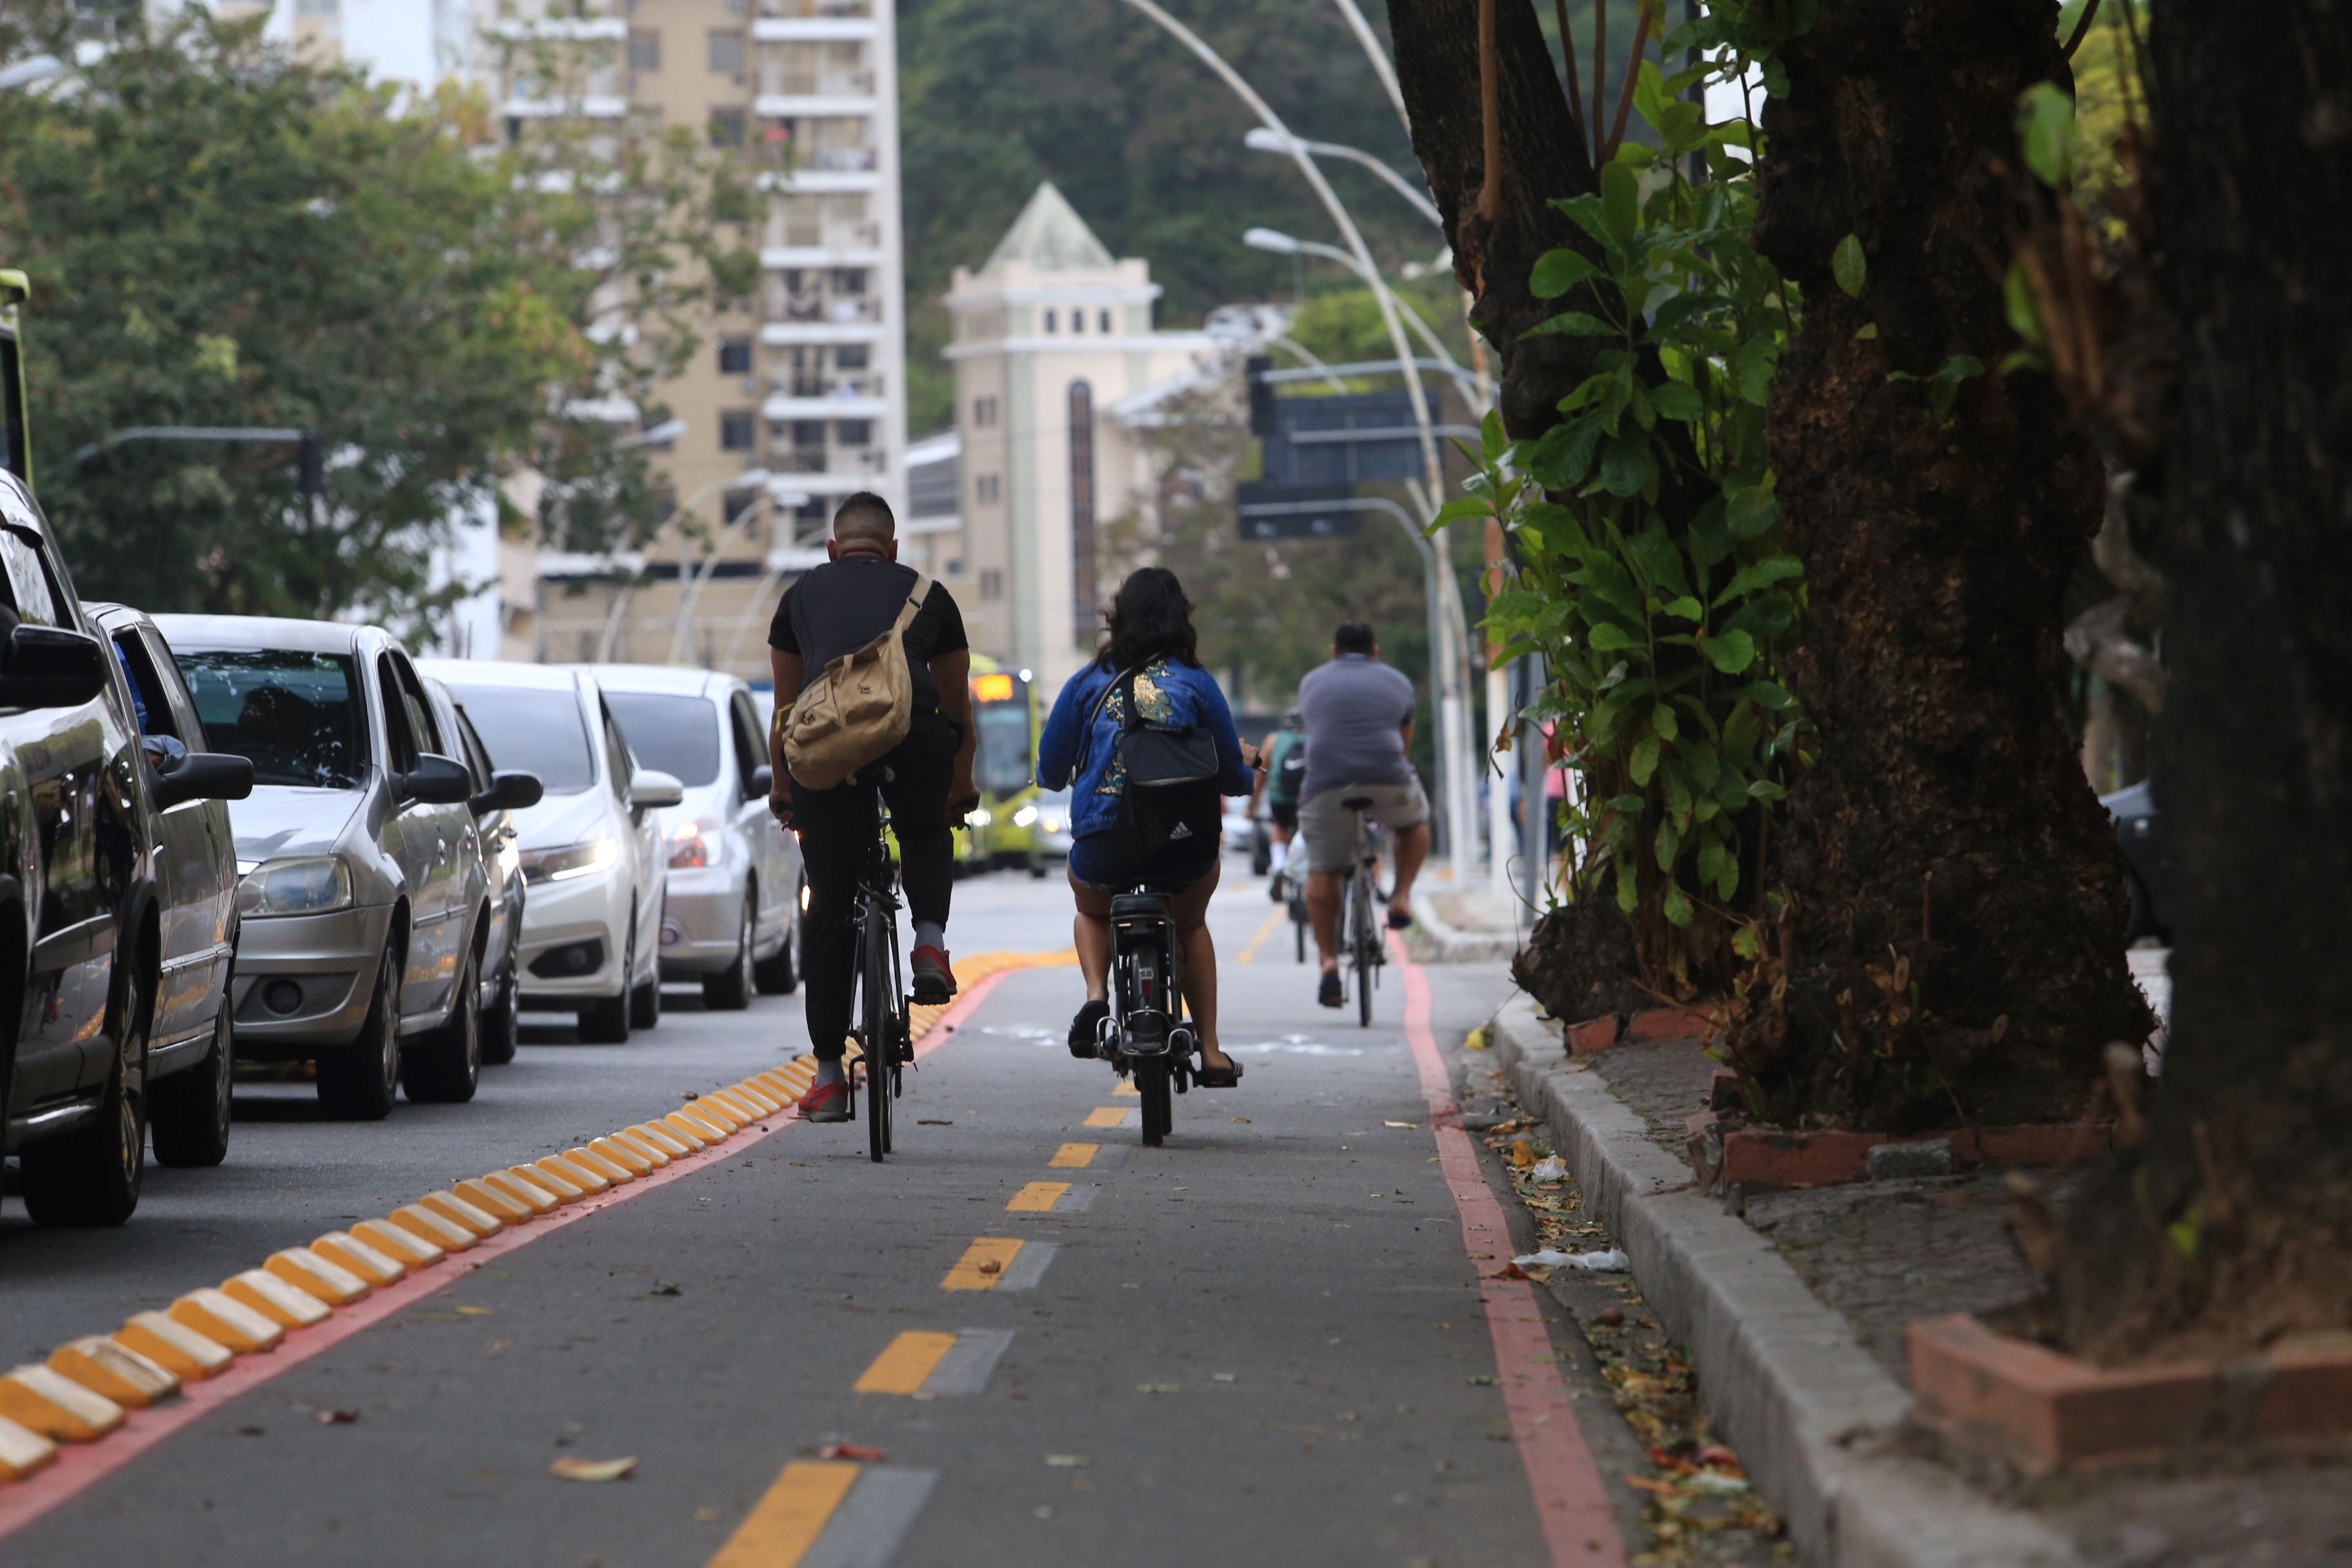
(1359, 715)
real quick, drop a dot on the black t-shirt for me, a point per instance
(844, 605)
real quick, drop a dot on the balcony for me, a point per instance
(803, 332)
(829, 469)
(782, 407)
(785, 78)
(797, 231)
(814, 307)
(813, 22)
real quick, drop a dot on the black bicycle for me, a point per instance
(1361, 916)
(1147, 1034)
(884, 1039)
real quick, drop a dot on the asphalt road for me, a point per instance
(1264, 1342)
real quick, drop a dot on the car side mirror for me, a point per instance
(650, 789)
(508, 792)
(436, 781)
(50, 666)
(203, 776)
(763, 781)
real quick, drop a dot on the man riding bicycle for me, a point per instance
(839, 608)
(1277, 784)
(1359, 714)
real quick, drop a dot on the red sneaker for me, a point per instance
(935, 982)
(827, 1101)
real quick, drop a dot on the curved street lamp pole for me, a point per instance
(1453, 720)
(1261, 140)
(623, 597)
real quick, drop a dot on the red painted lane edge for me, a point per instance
(81, 1465)
(1579, 1524)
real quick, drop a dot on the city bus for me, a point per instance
(15, 438)
(1003, 831)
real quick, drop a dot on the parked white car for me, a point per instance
(731, 918)
(593, 854)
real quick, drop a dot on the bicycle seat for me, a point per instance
(1357, 803)
(1130, 906)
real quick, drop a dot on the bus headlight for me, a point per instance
(1024, 817)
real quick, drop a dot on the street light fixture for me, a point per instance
(1280, 243)
(622, 599)
(1261, 140)
(682, 638)
(660, 435)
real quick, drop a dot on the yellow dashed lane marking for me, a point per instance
(786, 1521)
(907, 1363)
(1248, 954)
(1038, 1197)
(1104, 1116)
(1126, 1090)
(983, 1263)
(1073, 1156)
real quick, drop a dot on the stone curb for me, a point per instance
(1784, 1378)
(1449, 943)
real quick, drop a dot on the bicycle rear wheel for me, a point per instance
(1363, 952)
(1151, 1083)
(881, 1034)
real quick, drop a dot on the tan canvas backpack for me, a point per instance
(857, 709)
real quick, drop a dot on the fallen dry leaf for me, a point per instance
(334, 1417)
(1400, 1123)
(475, 1311)
(850, 1451)
(1068, 1461)
(1241, 1119)
(1508, 1271)
(1521, 1155)
(573, 1470)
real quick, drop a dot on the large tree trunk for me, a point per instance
(2248, 1152)
(1954, 949)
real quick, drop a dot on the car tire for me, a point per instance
(778, 974)
(606, 1021)
(189, 1119)
(445, 1068)
(358, 1082)
(730, 990)
(91, 1176)
(502, 1024)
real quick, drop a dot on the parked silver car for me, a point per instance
(592, 849)
(497, 798)
(730, 918)
(191, 1051)
(361, 890)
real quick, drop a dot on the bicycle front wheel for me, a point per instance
(1362, 943)
(1151, 1084)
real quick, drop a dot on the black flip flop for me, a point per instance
(1206, 1076)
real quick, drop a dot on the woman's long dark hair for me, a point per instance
(1149, 618)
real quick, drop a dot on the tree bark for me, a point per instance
(1544, 158)
(2227, 1230)
(1953, 947)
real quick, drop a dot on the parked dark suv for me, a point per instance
(80, 940)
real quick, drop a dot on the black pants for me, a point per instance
(836, 833)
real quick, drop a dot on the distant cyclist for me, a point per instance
(1285, 766)
(1359, 715)
(837, 609)
(1152, 639)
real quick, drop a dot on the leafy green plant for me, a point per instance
(1652, 573)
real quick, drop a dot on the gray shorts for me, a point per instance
(1328, 826)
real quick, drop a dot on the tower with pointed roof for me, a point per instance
(1051, 332)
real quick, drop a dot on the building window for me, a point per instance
(992, 582)
(856, 433)
(849, 280)
(735, 356)
(1105, 323)
(1082, 510)
(1078, 321)
(808, 433)
(983, 413)
(727, 128)
(1051, 324)
(644, 50)
(738, 430)
(738, 502)
(987, 489)
(852, 356)
(726, 52)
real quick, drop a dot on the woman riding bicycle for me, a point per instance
(1152, 638)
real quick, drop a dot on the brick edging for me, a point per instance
(1783, 1376)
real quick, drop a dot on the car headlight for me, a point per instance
(694, 844)
(311, 887)
(1053, 825)
(1024, 816)
(572, 860)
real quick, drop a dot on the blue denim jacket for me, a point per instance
(1170, 694)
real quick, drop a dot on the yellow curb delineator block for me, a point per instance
(457, 1211)
(418, 1249)
(370, 1263)
(750, 1099)
(173, 1346)
(696, 1135)
(643, 1148)
(276, 1300)
(423, 1223)
(580, 1176)
(621, 1155)
(22, 1451)
(661, 1138)
(714, 1128)
(504, 1207)
(222, 1318)
(711, 1108)
(112, 1372)
(315, 1275)
(611, 1171)
(56, 1406)
(786, 1086)
(533, 1197)
(565, 1189)
(761, 1101)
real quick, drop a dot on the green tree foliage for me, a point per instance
(219, 236)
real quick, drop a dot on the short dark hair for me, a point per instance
(1148, 618)
(1354, 636)
(865, 515)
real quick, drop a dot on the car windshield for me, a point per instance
(1003, 764)
(533, 732)
(292, 714)
(678, 735)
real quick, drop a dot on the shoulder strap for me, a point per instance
(1086, 729)
(914, 604)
